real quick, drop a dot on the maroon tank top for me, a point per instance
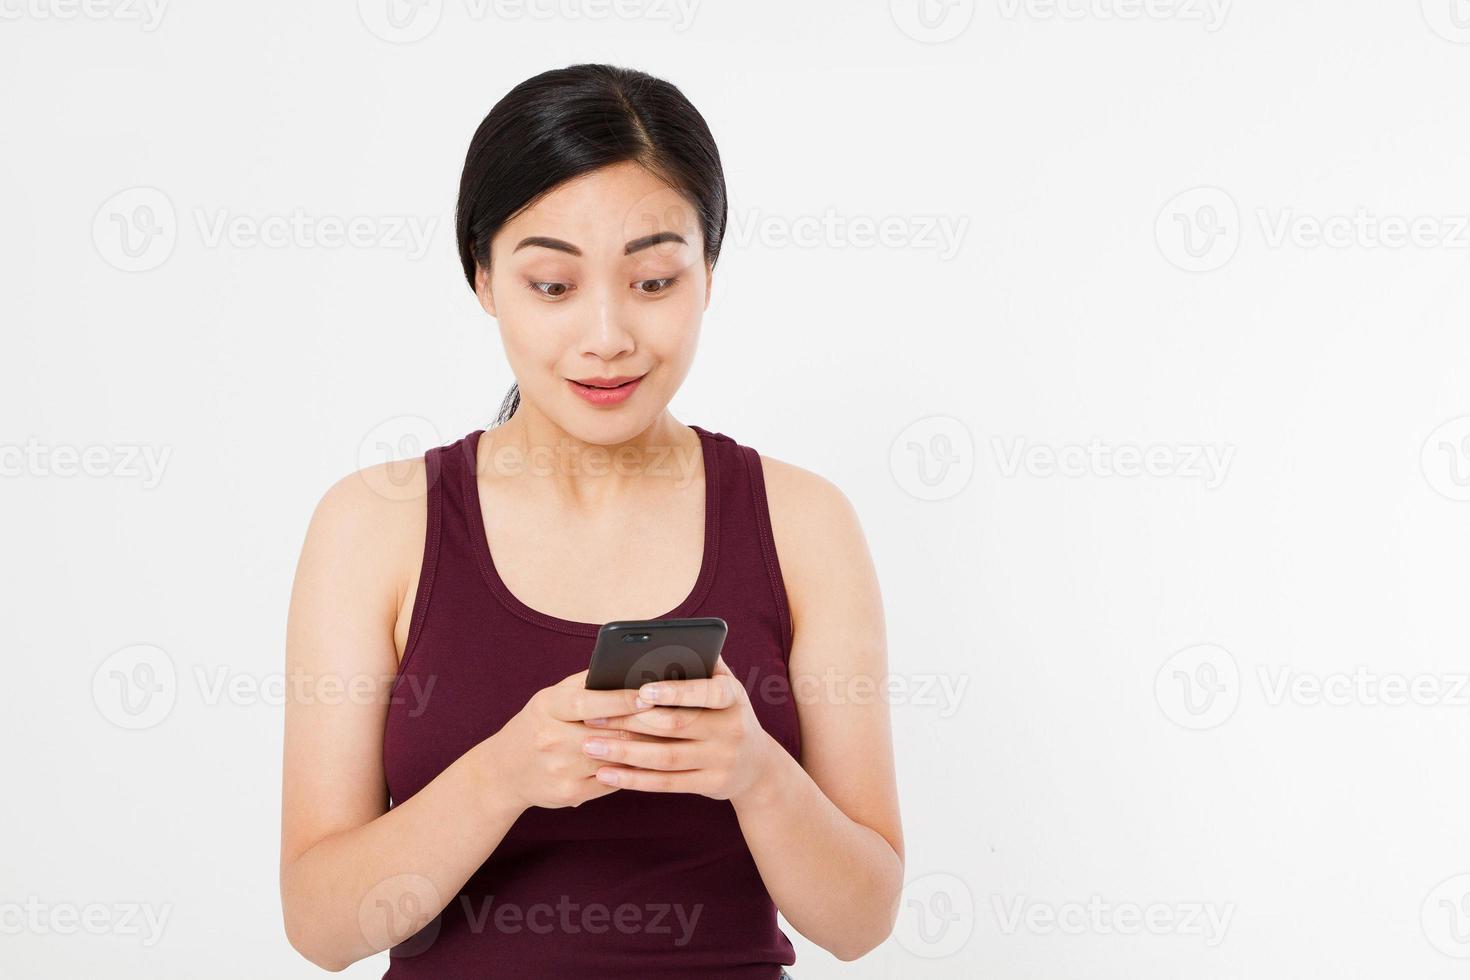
(629, 885)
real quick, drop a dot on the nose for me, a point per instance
(605, 332)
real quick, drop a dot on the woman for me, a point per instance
(463, 800)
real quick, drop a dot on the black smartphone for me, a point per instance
(631, 653)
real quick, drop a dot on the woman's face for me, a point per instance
(601, 280)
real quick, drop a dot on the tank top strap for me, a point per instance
(445, 531)
(750, 566)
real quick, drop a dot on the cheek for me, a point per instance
(530, 328)
(673, 325)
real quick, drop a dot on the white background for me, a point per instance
(1117, 733)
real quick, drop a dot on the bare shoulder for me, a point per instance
(368, 528)
(806, 503)
(819, 539)
(381, 499)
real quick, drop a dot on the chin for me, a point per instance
(601, 427)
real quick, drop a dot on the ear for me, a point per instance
(709, 284)
(482, 289)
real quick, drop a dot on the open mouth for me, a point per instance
(605, 391)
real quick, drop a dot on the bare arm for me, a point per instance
(356, 877)
(829, 826)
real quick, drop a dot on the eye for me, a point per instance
(563, 288)
(660, 285)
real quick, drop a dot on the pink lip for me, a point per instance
(605, 396)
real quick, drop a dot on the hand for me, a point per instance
(537, 755)
(707, 740)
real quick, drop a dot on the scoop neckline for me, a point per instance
(480, 541)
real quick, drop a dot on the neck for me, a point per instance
(532, 448)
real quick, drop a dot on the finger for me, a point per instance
(588, 729)
(597, 788)
(573, 703)
(674, 755)
(651, 781)
(665, 721)
(713, 692)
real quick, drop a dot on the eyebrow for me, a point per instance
(637, 244)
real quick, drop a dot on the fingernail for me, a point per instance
(607, 776)
(595, 746)
(597, 722)
(639, 704)
(648, 692)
